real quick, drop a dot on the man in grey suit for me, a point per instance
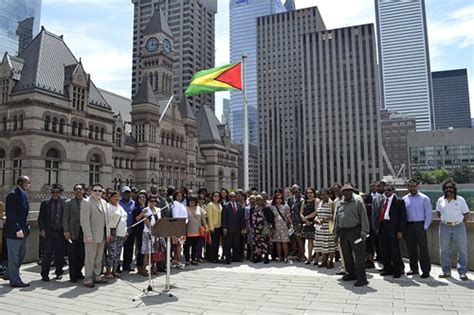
(94, 224)
(73, 234)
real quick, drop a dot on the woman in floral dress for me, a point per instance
(281, 235)
(262, 229)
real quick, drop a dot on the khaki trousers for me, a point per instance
(93, 261)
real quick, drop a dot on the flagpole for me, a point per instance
(246, 125)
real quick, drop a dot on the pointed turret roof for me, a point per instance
(208, 126)
(145, 94)
(158, 24)
(185, 109)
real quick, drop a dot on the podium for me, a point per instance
(169, 227)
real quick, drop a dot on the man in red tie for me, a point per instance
(232, 224)
(391, 221)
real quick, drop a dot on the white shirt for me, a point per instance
(452, 211)
(118, 215)
(152, 218)
(387, 212)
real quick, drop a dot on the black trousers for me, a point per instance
(191, 243)
(128, 251)
(417, 245)
(138, 246)
(232, 246)
(390, 247)
(215, 241)
(354, 255)
(53, 243)
(76, 255)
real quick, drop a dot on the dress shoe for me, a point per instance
(444, 275)
(59, 277)
(73, 280)
(463, 277)
(396, 275)
(386, 273)
(20, 285)
(101, 281)
(411, 273)
(340, 273)
(89, 285)
(80, 277)
(361, 283)
(45, 278)
(228, 262)
(425, 275)
(347, 278)
(369, 264)
(266, 261)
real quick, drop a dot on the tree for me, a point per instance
(463, 175)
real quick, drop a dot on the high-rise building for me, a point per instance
(335, 135)
(243, 36)
(451, 99)
(405, 75)
(191, 23)
(225, 118)
(280, 93)
(395, 131)
(20, 20)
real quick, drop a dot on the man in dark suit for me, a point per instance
(232, 224)
(389, 223)
(73, 234)
(50, 223)
(16, 230)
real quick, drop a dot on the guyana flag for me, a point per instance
(223, 78)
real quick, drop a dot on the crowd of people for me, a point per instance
(101, 230)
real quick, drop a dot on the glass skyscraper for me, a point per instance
(19, 23)
(243, 38)
(405, 75)
(451, 99)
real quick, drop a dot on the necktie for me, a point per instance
(382, 213)
(234, 207)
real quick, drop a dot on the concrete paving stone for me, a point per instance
(219, 307)
(322, 306)
(280, 310)
(371, 309)
(417, 311)
(179, 308)
(458, 308)
(231, 305)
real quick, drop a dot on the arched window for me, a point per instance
(120, 162)
(61, 126)
(17, 163)
(20, 122)
(94, 169)
(127, 163)
(47, 122)
(79, 130)
(131, 164)
(97, 133)
(118, 138)
(15, 122)
(172, 140)
(115, 184)
(221, 179)
(54, 127)
(91, 132)
(102, 134)
(52, 166)
(74, 128)
(2, 167)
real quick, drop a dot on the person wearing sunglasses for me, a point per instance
(95, 226)
(453, 211)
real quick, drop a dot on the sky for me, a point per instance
(100, 32)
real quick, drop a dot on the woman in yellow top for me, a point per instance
(214, 210)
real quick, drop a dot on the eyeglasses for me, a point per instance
(412, 186)
(279, 198)
(97, 190)
(388, 189)
(309, 192)
(152, 200)
(78, 189)
(142, 197)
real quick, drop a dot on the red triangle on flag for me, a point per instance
(232, 76)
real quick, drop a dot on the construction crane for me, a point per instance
(389, 164)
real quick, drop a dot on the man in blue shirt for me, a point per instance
(419, 216)
(128, 205)
(16, 230)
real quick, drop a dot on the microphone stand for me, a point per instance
(150, 290)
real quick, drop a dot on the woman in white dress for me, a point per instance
(117, 218)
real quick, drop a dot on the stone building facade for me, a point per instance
(56, 126)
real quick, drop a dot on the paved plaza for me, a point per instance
(244, 288)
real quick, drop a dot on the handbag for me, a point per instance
(202, 231)
(159, 251)
(113, 230)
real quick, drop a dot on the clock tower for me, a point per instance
(156, 56)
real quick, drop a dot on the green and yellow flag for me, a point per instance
(223, 78)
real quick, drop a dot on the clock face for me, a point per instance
(152, 44)
(166, 46)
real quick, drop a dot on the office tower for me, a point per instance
(405, 75)
(336, 134)
(290, 5)
(20, 20)
(242, 15)
(225, 119)
(451, 99)
(395, 131)
(280, 95)
(192, 26)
